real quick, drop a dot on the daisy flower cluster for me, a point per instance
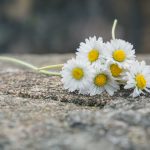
(100, 67)
(104, 66)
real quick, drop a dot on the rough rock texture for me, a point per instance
(37, 113)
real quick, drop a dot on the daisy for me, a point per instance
(138, 78)
(76, 75)
(101, 81)
(120, 52)
(91, 51)
(116, 71)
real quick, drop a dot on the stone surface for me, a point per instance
(37, 113)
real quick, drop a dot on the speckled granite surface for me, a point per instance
(37, 113)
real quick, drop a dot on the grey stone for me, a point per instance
(37, 113)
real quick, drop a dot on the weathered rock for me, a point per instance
(37, 113)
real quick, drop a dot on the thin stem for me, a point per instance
(51, 67)
(50, 73)
(18, 62)
(113, 29)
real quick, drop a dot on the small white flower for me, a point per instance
(120, 52)
(116, 71)
(91, 51)
(101, 81)
(138, 78)
(76, 75)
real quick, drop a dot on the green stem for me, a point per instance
(50, 73)
(20, 62)
(51, 67)
(14, 60)
(113, 29)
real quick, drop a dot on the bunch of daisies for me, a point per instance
(101, 66)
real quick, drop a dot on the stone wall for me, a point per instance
(36, 113)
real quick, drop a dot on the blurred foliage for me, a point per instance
(38, 26)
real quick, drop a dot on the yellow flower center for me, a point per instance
(93, 55)
(140, 81)
(77, 73)
(119, 55)
(100, 80)
(115, 70)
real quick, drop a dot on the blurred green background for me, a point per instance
(57, 26)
